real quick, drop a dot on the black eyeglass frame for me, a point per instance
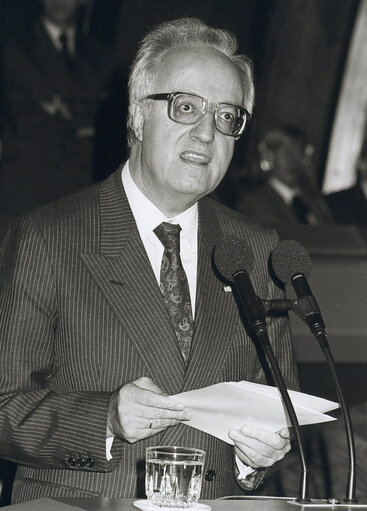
(170, 96)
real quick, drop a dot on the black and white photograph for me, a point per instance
(183, 255)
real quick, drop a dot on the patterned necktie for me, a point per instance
(174, 286)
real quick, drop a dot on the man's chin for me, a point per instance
(193, 188)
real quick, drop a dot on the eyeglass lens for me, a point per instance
(188, 109)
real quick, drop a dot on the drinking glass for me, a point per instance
(173, 475)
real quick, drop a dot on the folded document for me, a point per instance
(223, 406)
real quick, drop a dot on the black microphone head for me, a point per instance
(290, 258)
(232, 254)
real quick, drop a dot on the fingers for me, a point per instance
(143, 410)
(139, 427)
(158, 424)
(263, 436)
(147, 383)
(260, 448)
(146, 393)
(285, 433)
(148, 418)
(160, 414)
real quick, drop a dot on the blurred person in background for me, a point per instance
(287, 190)
(52, 81)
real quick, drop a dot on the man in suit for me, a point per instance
(91, 349)
(287, 191)
(52, 83)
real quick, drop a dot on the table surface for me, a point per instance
(239, 504)
(216, 505)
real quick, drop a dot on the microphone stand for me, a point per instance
(321, 337)
(259, 327)
(278, 377)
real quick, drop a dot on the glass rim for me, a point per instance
(173, 449)
(168, 96)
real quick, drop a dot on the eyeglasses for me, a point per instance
(186, 108)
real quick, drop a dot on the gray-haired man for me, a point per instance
(92, 350)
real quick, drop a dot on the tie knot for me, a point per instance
(169, 235)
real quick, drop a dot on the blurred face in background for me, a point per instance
(61, 12)
(283, 158)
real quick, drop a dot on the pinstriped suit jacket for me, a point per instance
(82, 314)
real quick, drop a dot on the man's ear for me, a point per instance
(138, 120)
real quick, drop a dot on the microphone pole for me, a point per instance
(230, 254)
(291, 263)
(350, 495)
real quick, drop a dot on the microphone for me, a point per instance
(292, 263)
(234, 259)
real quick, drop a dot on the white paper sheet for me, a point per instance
(223, 406)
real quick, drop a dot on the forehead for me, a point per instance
(200, 70)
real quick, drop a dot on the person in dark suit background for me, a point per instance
(92, 348)
(286, 190)
(52, 82)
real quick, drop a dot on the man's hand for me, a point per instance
(140, 409)
(257, 447)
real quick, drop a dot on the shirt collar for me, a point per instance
(286, 192)
(148, 216)
(55, 32)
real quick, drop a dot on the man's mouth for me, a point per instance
(195, 157)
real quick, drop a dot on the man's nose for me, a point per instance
(204, 129)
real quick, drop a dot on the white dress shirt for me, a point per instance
(148, 217)
(286, 192)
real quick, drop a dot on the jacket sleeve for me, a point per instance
(40, 427)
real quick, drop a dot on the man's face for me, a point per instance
(182, 163)
(61, 12)
(289, 163)
(285, 156)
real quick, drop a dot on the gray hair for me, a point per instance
(178, 33)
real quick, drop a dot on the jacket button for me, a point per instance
(210, 475)
(72, 461)
(80, 462)
(89, 462)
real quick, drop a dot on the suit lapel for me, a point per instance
(216, 317)
(122, 271)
